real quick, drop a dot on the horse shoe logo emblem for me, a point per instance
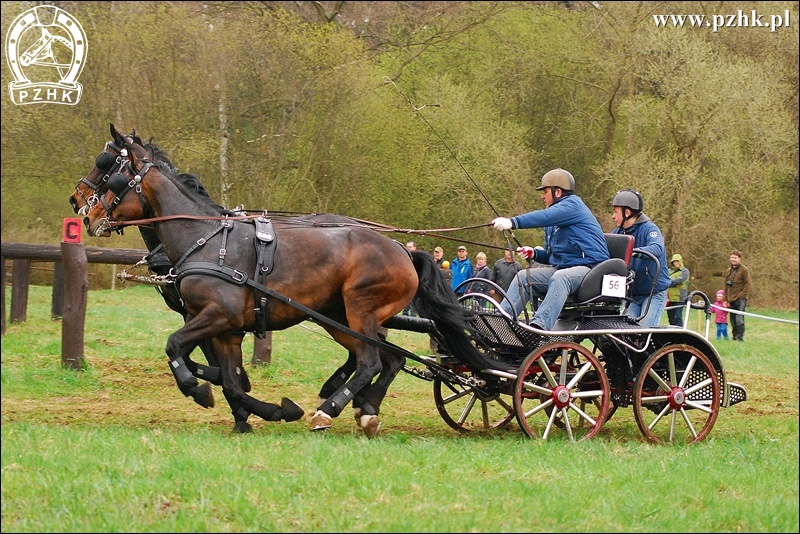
(45, 44)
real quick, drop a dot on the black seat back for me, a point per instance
(589, 293)
(620, 246)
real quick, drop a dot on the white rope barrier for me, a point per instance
(730, 310)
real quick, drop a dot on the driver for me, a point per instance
(573, 244)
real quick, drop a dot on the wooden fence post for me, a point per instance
(76, 282)
(19, 290)
(262, 350)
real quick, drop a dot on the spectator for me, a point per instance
(721, 315)
(504, 271)
(438, 256)
(461, 269)
(628, 205)
(481, 271)
(573, 244)
(737, 291)
(678, 290)
(443, 264)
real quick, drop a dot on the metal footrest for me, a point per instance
(736, 393)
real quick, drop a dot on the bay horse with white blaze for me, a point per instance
(236, 276)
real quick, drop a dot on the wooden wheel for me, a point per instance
(468, 408)
(561, 388)
(676, 395)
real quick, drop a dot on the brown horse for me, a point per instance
(234, 276)
(88, 192)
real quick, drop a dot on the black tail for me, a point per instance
(435, 300)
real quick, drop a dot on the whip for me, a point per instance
(418, 110)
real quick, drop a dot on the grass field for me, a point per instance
(117, 448)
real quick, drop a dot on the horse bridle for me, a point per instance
(109, 163)
(120, 185)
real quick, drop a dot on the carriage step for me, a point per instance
(736, 393)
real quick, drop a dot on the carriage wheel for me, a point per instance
(465, 408)
(676, 395)
(561, 388)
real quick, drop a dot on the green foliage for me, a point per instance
(311, 107)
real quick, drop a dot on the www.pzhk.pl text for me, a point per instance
(740, 19)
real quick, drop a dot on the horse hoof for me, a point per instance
(291, 410)
(371, 425)
(321, 421)
(242, 427)
(357, 415)
(204, 395)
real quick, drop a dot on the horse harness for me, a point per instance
(265, 245)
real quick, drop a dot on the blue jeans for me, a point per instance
(554, 284)
(657, 305)
(722, 330)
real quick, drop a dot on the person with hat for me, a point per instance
(573, 244)
(737, 290)
(628, 205)
(721, 315)
(678, 290)
(461, 268)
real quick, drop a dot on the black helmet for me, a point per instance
(628, 198)
(558, 178)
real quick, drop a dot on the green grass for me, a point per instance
(117, 448)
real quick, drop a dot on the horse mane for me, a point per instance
(189, 184)
(196, 187)
(159, 154)
(191, 187)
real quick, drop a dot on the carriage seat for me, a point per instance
(589, 294)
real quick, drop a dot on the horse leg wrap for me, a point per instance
(212, 374)
(373, 399)
(334, 382)
(334, 405)
(186, 382)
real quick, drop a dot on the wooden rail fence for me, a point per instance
(70, 288)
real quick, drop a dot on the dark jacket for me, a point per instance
(740, 285)
(479, 287)
(647, 236)
(572, 235)
(504, 272)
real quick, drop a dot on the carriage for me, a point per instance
(572, 379)
(230, 277)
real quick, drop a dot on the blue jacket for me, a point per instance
(572, 235)
(647, 236)
(461, 271)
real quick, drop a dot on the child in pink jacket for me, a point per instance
(720, 315)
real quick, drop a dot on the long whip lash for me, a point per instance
(418, 110)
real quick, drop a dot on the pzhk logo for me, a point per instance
(45, 44)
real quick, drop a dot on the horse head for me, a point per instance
(90, 187)
(129, 192)
(94, 185)
(114, 203)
